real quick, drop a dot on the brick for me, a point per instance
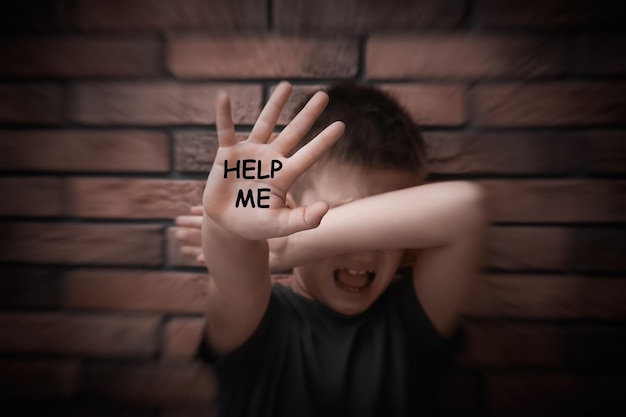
(213, 15)
(135, 290)
(29, 287)
(596, 347)
(605, 151)
(151, 384)
(549, 394)
(66, 57)
(132, 198)
(355, 17)
(465, 56)
(35, 16)
(502, 153)
(431, 104)
(548, 13)
(531, 248)
(601, 249)
(87, 335)
(31, 196)
(194, 151)
(548, 297)
(40, 104)
(161, 103)
(600, 55)
(84, 151)
(69, 243)
(550, 104)
(38, 379)
(274, 57)
(514, 345)
(555, 200)
(181, 337)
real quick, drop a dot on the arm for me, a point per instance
(445, 221)
(234, 239)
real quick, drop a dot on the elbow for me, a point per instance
(473, 192)
(474, 203)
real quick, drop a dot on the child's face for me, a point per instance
(350, 283)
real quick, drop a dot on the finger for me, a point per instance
(189, 221)
(190, 251)
(200, 258)
(301, 124)
(303, 218)
(312, 151)
(196, 210)
(273, 137)
(224, 122)
(189, 236)
(264, 125)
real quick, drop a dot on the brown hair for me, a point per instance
(379, 133)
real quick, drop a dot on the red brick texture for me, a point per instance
(135, 290)
(546, 104)
(158, 103)
(351, 17)
(483, 57)
(107, 132)
(261, 57)
(32, 104)
(131, 198)
(77, 57)
(61, 333)
(214, 16)
(84, 151)
(81, 243)
(151, 384)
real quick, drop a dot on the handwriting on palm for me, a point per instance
(221, 193)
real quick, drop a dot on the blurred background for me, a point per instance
(107, 132)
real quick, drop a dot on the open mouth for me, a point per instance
(353, 280)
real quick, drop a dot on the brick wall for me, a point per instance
(107, 132)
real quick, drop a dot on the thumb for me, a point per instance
(304, 218)
(313, 214)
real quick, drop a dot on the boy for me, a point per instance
(341, 336)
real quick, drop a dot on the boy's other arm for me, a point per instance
(445, 275)
(445, 221)
(188, 233)
(234, 236)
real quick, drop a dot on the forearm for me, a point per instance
(421, 217)
(238, 267)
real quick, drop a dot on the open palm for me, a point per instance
(270, 216)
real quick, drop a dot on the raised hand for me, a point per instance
(225, 187)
